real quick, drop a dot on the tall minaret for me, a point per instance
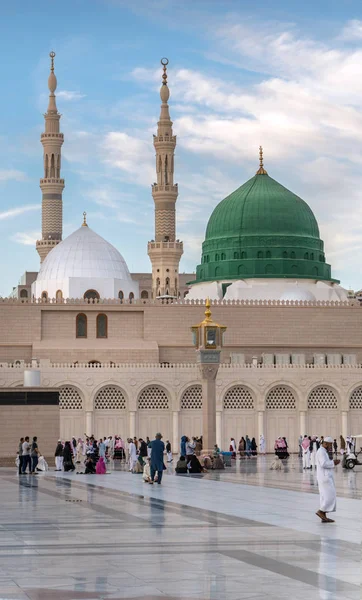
(51, 185)
(165, 252)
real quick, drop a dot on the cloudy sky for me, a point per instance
(287, 75)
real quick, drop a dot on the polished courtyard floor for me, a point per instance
(243, 533)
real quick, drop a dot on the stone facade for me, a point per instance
(286, 369)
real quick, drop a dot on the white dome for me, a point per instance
(84, 253)
(297, 293)
(83, 261)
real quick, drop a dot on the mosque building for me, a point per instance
(118, 345)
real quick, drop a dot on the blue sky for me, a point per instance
(287, 75)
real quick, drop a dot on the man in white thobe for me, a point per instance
(132, 454)
(325, 478)
(262, 444)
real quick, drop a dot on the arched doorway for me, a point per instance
(238, 415)
(71, 413)
(355, 412)
(323, 417)
(110, 417)
(191, 412)
(281, 417)
(153, 413)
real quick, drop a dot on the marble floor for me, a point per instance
(243, 533)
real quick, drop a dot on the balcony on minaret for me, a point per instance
(52, 135)
(164, 138)
(178, 246)
(52, 180)
(157, 187)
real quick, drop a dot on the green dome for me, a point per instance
(262, 230)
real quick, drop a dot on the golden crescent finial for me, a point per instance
(261, 170)
(52, 56)
(164, 63)
(84, 224)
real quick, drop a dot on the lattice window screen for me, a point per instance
(153, 397)
(69, 399)
(192, 398)
(280, 397)
(322, 397)
(237, 398)
(110, 398)
(355, 400)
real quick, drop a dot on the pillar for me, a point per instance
(344, 423)
(303, 423)
(132, 423)
(208, 373)
(260, 424)
(218, 429)
(89, 422)
(175, 432)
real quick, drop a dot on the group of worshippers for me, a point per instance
(29, 457)
(281, 448)
(88, 453)
(247, 447)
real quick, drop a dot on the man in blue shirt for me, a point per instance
(157, 450)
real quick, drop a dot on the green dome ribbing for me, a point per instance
(262, 230)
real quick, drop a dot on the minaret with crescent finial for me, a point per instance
(51, 184)
(165, 251)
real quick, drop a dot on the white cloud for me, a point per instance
(26, 238)
(352, 31)
(14, 212)
(11, 174)
(133, 156)
(68, 95)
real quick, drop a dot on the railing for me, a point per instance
(184, 301)
(46, 364)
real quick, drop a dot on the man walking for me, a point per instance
(157, 450)
(169, 451)
(20, 454)
(26, 455)
(306, 453)
(132, 454)
(325, 478)
(59, 456)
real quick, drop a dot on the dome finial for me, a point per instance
(261, 170)
(84, 224)
(164, 91)
(52, 56)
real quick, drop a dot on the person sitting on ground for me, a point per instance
(90, 468)
(147, 471)
(101, 468)
(218, 463)
(181, 466)
(216, 451)
(206, 462)
(194, 465)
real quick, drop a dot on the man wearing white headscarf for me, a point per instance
(325, 478)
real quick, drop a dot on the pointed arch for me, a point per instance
(46, 166)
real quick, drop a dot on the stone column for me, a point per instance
(89, 422)
(175, 432)
(208, 374)
(303, 422)
(344, 423)
(132, 423)
(218, 428)
(260, 424)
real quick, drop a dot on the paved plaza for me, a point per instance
(246, 532)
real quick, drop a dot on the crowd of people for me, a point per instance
(309, 446)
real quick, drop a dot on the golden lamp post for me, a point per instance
(208, 341)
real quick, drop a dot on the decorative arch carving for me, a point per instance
(280, 397)
(153, 397)
(322, 397)
(191, 398)
(238, 397)
(110, 397)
